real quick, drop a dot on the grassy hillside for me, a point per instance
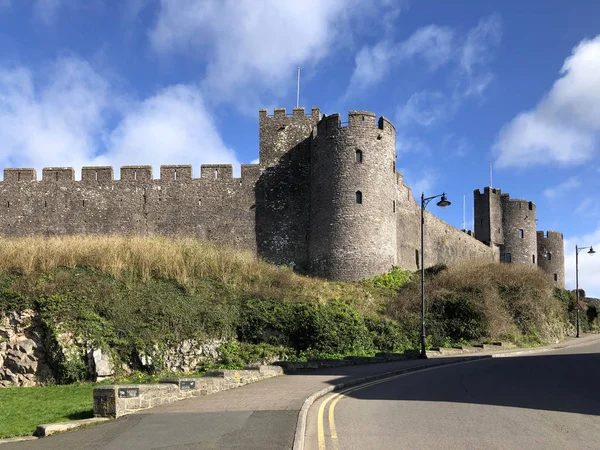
(140, 295)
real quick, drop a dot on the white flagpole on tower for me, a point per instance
(298, 90)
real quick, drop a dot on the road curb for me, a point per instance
(299, 436)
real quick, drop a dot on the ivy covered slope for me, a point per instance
(138, 297)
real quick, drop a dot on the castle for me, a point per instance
(325, 199)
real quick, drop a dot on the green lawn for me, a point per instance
(23, 409)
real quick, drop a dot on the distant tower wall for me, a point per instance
(488, 216)
(519, 230)
(551, 255)
(283, 190)
(353, 195)
(281, 132)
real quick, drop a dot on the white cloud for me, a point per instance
(589, 265)
(172, 127)
(425, 108)
(72, 116)
(54, 121)
(251, 47)
(588, 208)
(372, 63)
(475, 55)
(46, 10)
(420, 180)
(432, 43)
(563, 127)
(553, 192)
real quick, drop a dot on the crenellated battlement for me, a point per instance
(143, 173)
(281, 113)
(550, 235)
(58, 174)
(358, 121)
(487, 190)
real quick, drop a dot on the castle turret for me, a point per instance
(488, 218)
(519, 231)
(353, 193)
(551, 255)
(283, 189)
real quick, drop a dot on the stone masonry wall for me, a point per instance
(520, 235)
(297, 207)
(353, 238)
(551, 255)
(443, 242)
(215, 207)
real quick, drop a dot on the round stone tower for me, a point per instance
(353, 194)
(551, 255)
(519, 231)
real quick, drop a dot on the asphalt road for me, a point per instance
(546, 401)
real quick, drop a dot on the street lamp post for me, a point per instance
(424, 202)
(577, 250)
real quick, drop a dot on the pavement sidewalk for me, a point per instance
(257, 416)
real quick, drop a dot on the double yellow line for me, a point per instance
(335, 398)
(340, 395)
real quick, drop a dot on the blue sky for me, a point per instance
(466, 83)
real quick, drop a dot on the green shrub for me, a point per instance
(393, 280)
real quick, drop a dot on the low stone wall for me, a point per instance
(118, 400)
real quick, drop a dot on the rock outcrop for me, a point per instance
(22, 356)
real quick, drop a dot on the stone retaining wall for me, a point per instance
(118, 400)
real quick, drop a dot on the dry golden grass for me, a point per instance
(185, 260)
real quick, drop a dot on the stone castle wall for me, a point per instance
(443, 242)
(551, 255)
(215, 207)
(352, 224)
(325, 199)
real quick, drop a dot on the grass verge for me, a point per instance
(23, 409)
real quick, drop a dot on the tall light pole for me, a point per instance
(443, 203)
(577, 250)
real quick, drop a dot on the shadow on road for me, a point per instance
(554, 382)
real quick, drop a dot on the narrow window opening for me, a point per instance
(394, 205)
(200, 202)
(96, 174)
(175, 174)
(358, 157)
(8, 204)
(18, 176)
(135, 174)
(507, 258)
(520, 206)
(359, 198)
(555, 277)
(549, 256)
(533, 258)
(417, 258)
(45, 204)
(530, 206)
(521, 233)
(216, 173)
(56, 176)
(83, 203)
(363, 120)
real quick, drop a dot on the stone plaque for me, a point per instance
(186, 385)
(129, 392)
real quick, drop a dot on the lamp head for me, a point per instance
(592, 251)
(443, 203)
